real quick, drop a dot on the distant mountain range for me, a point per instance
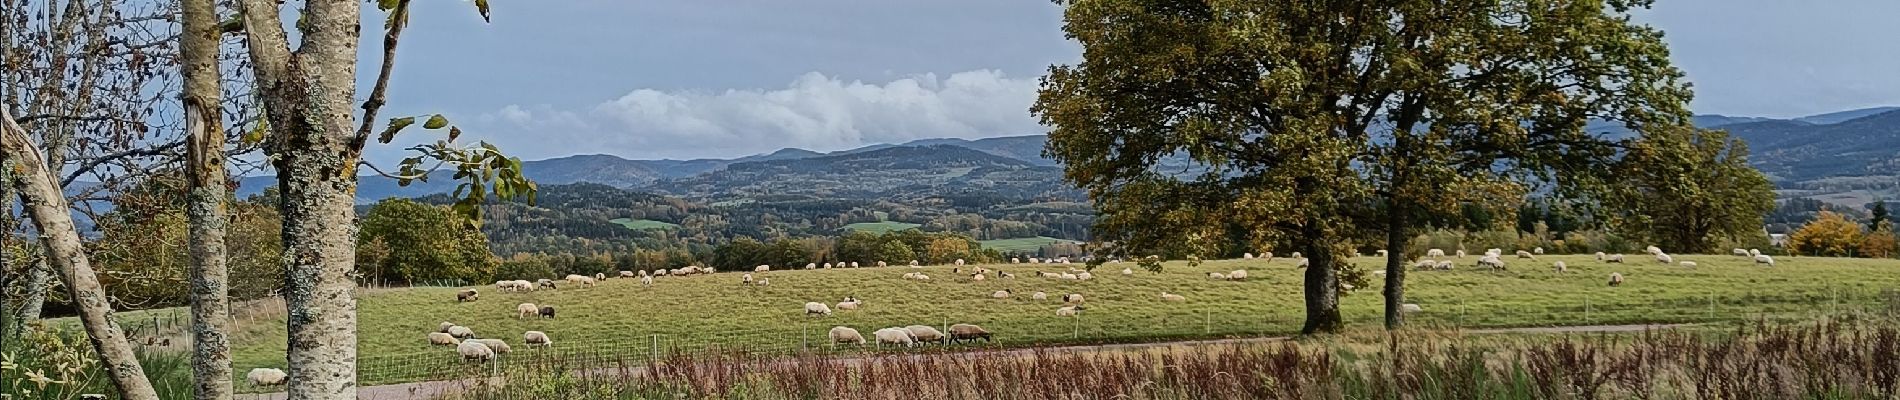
(1864, 142)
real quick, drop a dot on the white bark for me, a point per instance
(205, 203)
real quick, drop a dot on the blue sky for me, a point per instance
(687, 79)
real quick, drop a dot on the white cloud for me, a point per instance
(814, 112)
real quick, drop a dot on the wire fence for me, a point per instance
(810, 335)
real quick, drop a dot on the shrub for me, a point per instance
(1829, 234)
(1880, 243)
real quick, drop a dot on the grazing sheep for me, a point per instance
(1539, 250)
(1614, 259)
(854, 264)
(1436, 253)
(1069, 277)
(1653, 250)
(1491, 261)
(762, 268)
(643, 273)
(1687, 264)
(525, 310)
(1494, 252)
(1237, 275)
(444, 327)
(1754, 252)
(1015, 260)
(266, 376)
(1216, 276)
(894, 336)
(913, 263)
(626, 274)
(765, 281)
(1033, 260)
(1599, 256)
(1445, 265)
(442, 339)
(826, 265)
(816, 308)
(646, 281)
(659, 272)
(1560, 267)
(1005, 274)
(1616, 279)
(882, 264)
(1084, 275)
(977, 277)
(1165, 296)
(1068, 311)
(1739, 252)
(1296, 255)
(925, 334)
(572, 278)
(1410, 308)
(1247, 256)
(1000, 294)
(1072, 298)
(536, 338)
(1764, 259)
(547, 312)
(495, 345)
(968, 332)
(1127, 271)
(745, 279)
(1267, 255)
(600, 276)
(1425, 264)
(1461, 253)
(849, 303)
(811, 265)
(1039, 296)
(474, 351)
(1525, 254)
(466, 295)
(959, 261)
(461, 332)
(1665, 258)
(840, 334)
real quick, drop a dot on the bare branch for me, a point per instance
(95, 162)
(398, 18)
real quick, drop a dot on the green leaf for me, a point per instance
(454, 132)
(386, 5)
(395, 126)
(482, 6)
(258, 131)
(436, 122)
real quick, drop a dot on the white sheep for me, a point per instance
(840, 334)
(1216, 276)
(849, 303)
(1005, 274)
(826, 265)
(913, 263)
(1068, 311)
(1439, 253)
(1461, 253)
(1165, 296)
(643, 273)
(1267, 255)
(925, 334)
(1072, 298)
(1424, 264)
(442, 339)
(1560, 267)
(461, 332)
(495, 345)
(536, 338)
(894, 336)
(1525, 254)
(600, 276)
(1247, 256)
(444, 327)
(1069, 277)
(1764, 259)
(1653, 250)
(475, 351)
(1739, 252)
(765, 281)
(1084, 275)
(1039, 296)
(1600, 256)
(626, 274)
(1445, 265)
(762, 268)
(978, 277)
(646, 281)
(659, 272)
(1000, 294)
(525, 310)
(882, 264)
(816, 308)
(1665, 258)
(1127, 271)
(811, 265)
(854, 264)
(1237, 275)
(1491, 261)
(745, 279)
(1616, 279)
(1296, 255)
(1754, 252)
(1613, 259)
(1538, 250)
(1015, 260)
(1410, 308)
(1688, 264)
(959, 261)
(266, 376)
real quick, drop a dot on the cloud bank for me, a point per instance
(814, 111)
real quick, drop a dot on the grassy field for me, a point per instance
(1019, 245)
(642, 224)
(620, 318)
(880, 227)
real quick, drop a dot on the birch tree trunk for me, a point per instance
(46, 204)
(205, 203)
(307, 96)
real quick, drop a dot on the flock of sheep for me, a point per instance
(1492, 258)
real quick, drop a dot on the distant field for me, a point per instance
(1020, 245)
(619, 318)
(642, 224)
(880, 227)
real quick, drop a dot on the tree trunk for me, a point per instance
(314, 148)
(1322, 286)
(1395, 244)
(46, 205)
(11, 325)
(205, 203)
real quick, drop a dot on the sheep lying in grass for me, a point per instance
(466, 296)
(1216, 276)
(474, 351)
(1435, 253)
(659, 272)
(1237, 275)
(914, 263)
(1613, 259)
(1000, 294)
(461, 332)
(816, 308)
(266, 376)
(1739, 252)
(1039, 296)
(1616, 279)
(1665, 258)
(882, 264)
(1072, 298)
(1425, 264)
(1491, 261)
(495, 345)
(1070, 277)
(977, 277)
(1653, 250)
(1764, 259)
(1068, 311)
(626, 274)
(1165, 296)
(444, 327)
(1296, 255)
(1525, 254)
(894, 336)
(925, 334)
(849, 303)
(536, 339)
(442, 339)
(840, 334)
(1410, 308)
(1005, 274)
(547, 312)
(1445, 265)
(959, 261)
(1687, 264)
(968, 332)
(525, 310)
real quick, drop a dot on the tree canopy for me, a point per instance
(1686, 189)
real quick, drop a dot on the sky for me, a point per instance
(729, 78)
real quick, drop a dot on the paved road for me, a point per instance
(433, 389)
